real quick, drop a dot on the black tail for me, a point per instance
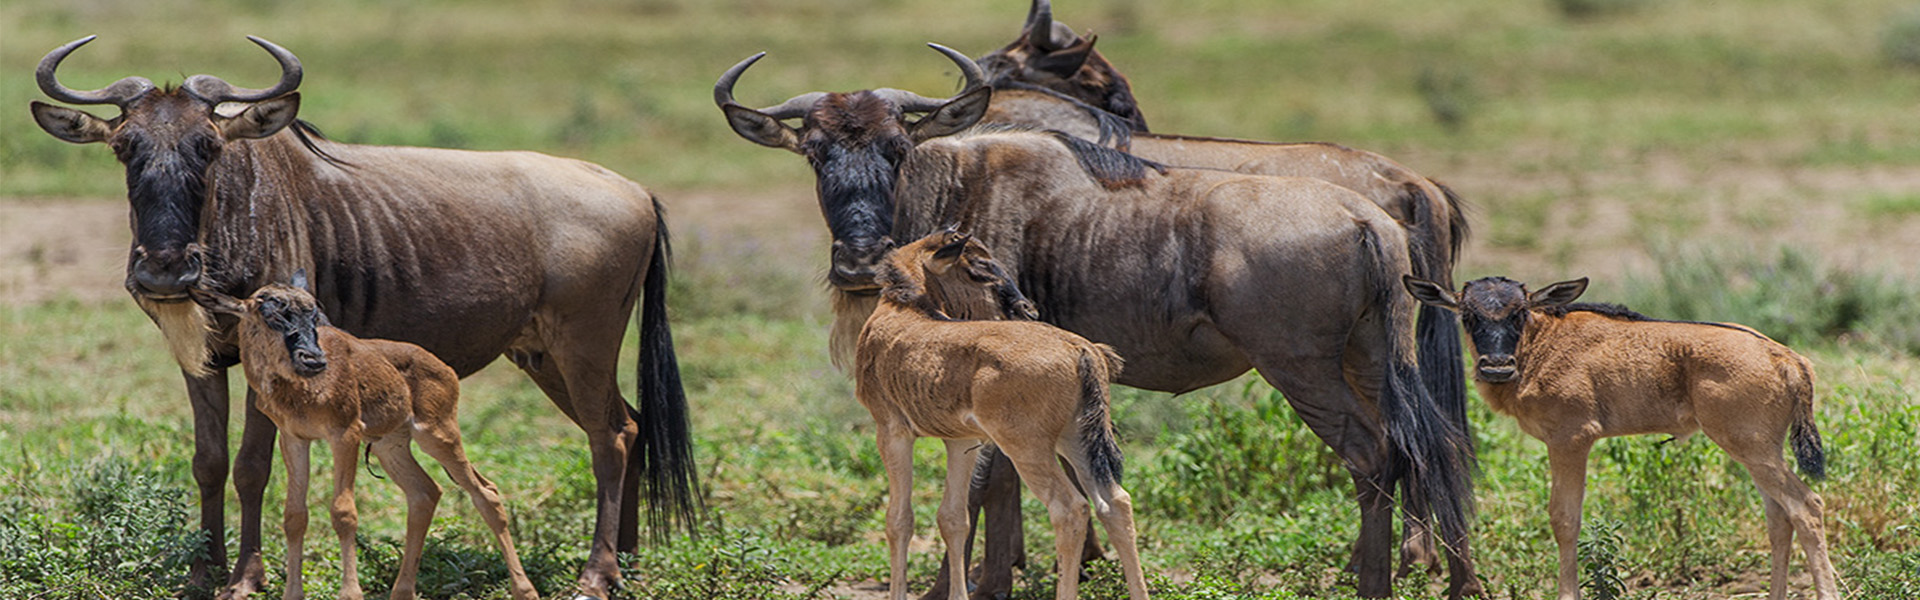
(1807, 448)
(1096, 424)
(1442, 360)
(1437, 454)
(665, 446)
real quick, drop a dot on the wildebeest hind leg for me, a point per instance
(1317, 389)
(582, 357)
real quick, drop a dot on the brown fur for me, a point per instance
(1597, 371)
(378, 392)
(1033, 390)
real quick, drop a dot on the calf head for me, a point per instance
(1495, 312)
(951, 275)
(1050, 55)
(855, 143)
(168, 139)
(289, 310)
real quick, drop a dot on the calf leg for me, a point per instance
(295, 453)
(1568, 460)
(1065, 508)
(896, 453)
(952, 516)
(346, 518)
(1114, 507)
(1801, 509)
(1780, 544)
(999, 496)
(442, 442)
(423, 496)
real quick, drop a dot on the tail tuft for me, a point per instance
(1096, 423)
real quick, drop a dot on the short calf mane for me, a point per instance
(1616, 311)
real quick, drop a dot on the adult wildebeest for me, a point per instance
(1035, 391)
(320, 383)
(468, 254)
(1193, 275)
(1572, 374)
(1051, 77)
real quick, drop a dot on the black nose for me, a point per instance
(167, 273)
(854, 261)
(310, 361)
(1496, 368)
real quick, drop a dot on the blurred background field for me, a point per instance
(1754, 161)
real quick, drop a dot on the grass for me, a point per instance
(1670, 150)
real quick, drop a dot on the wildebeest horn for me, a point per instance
(911, 102)
(216, 90)
(1040, 25)
(793, 108)
(118, 94)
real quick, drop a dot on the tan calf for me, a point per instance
(1574, 373)
(1036, 391)
(320, 383)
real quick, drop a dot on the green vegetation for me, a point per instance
(1744, 161)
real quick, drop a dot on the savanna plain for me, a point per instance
(1755, 161)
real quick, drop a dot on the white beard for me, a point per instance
(186, 327)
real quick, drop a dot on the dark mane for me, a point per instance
(1115, 131)
(307, 133)
(1112, 168)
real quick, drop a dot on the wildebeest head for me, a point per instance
(168, 139)
(1495, 312)
(950, 274)
(856, 142)
(1049, 54)
(287, 309)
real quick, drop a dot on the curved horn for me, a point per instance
(793, 108)
(975, 76)
(216, 90)
(118, 94)
(1040, 25)
(911, 102)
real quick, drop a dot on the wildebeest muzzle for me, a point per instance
(855, 263)
(165, 275)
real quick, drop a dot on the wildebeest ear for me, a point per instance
(71, 125)
(957, 114)
(215, 301)
(761, 128)
(1429, 292)
(1066, 61)
(1559, 293)
(262, 119)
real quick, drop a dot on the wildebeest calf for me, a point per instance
(1035, 390)
(1574, 373)
(320, 383)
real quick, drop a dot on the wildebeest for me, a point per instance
(1051, 77)
(1035, 391)
(468, 254)
(1193, 275)
(1572, 374)
(317, 382)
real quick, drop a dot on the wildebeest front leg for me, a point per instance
(208, 396)
(251, 472)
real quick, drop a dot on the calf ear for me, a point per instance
(1429, 292)
(761, 128)
(1559, 293)
(71, 125)
(300, 280)
(262, 119)
(215, 301)
(957, 114)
